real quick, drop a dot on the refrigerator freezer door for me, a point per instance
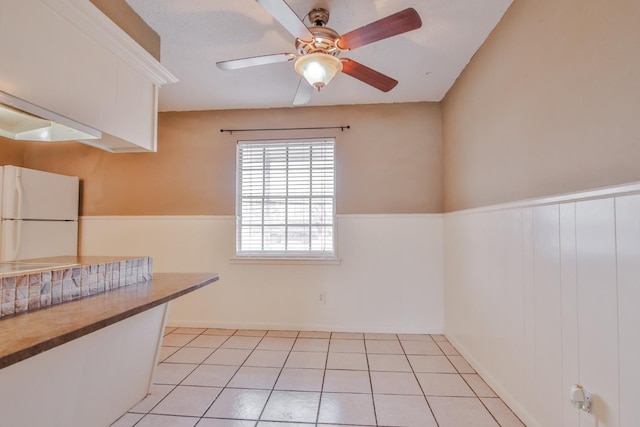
(31, 194)
(37, 239)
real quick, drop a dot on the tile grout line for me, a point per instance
(231, 377)
(461, 374)
(277, 377)
(373, 400)
(474, 392)
(324, 376)
(252, 351)
(418, 381)
(187, 376)
(174, 386)
(296, 340)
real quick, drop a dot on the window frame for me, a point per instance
(286, 254)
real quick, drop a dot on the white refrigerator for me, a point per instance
(38, 214)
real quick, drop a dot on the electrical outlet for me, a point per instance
(321, 298)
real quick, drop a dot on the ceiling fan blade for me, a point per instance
(392, 25)
(303, 94)
(234, 64)
(368, 75)
(287, 18)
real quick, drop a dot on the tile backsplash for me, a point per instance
(40, 289)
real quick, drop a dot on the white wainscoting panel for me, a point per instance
(389, 279)
(628, 258)
(548, 313)
(569, 289)
(598, 308)
(542, 295)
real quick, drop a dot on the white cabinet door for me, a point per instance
(86, 73)
(136, 107)
(23, 42)
(36, 55)
(50, 60)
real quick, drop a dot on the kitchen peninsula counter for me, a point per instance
(89, 360)
(25, 335)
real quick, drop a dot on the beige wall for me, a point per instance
(388, 162)
(550, 104)
(11, 152)
(127, 19)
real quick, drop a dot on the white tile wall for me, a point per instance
(539, 296)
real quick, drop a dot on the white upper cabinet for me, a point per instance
(68, 57)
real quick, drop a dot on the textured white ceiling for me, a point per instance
(195, 34)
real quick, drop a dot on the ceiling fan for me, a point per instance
(318, 48)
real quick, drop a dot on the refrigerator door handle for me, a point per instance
(20, 193)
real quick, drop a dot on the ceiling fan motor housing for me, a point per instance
(324, 41)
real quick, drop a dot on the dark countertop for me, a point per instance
(25, 335)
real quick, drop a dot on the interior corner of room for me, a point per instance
(504, 215)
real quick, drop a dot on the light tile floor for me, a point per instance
(248, 378)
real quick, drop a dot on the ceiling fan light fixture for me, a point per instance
(318, 68)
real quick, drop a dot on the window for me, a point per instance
(285, 202)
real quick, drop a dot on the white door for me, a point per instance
(32, 194)
(38, 239)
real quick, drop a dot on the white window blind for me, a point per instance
(285, 198)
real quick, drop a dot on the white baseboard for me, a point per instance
(299, 327)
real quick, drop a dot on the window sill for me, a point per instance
(284, 260)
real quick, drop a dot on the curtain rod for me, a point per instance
(342, 128)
